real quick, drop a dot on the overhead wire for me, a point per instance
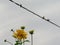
(42, 17)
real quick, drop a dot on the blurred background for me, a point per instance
(13, 17)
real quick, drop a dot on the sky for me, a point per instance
(13, 17)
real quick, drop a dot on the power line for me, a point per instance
(35, 14)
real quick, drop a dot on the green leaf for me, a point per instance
(16, 43)
(26, 41)
(20, 43)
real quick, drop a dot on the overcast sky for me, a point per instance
(12, 17)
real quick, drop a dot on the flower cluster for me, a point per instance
(21, 36)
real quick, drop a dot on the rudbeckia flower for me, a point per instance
(20, 34)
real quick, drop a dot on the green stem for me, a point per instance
(23, 41)
(31, 39)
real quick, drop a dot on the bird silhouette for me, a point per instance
(11, 0)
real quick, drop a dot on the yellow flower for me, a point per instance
(20, 34)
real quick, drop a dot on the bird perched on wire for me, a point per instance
(10, 0)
